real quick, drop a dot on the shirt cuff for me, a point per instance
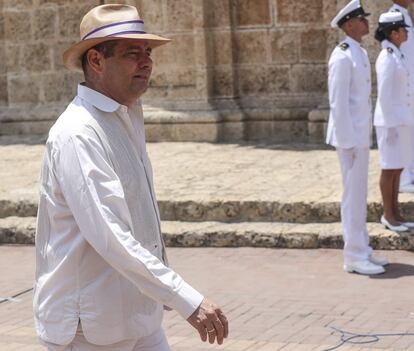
(186, 301)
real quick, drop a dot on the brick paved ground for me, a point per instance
(275, 299)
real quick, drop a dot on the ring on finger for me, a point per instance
(211, 331)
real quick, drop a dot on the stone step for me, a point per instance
(16, 230)
(233, 211)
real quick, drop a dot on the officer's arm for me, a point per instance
(339, 83)
(385, 77)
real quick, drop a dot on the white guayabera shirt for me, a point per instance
(100, 254)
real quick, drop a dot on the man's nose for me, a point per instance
(145, 62)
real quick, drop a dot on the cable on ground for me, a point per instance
(13, 298)
(350, 338)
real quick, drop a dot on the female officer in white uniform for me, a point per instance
(393, 115)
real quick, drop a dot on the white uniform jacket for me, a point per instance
(349, 84)
(394, 105)
(100, 254)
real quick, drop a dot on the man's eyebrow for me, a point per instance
(136, 47)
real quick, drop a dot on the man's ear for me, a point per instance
(95, 60)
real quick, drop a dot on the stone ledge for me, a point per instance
(16, 230)
(200, 125)
(233, 211)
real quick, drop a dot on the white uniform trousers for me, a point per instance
(354, 167)
(154, 342)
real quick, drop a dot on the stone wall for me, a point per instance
(236, 69)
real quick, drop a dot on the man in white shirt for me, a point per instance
(102, 277)
(349, 131)
(407, 49)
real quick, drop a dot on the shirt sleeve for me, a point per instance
(385, 78)
(339, 83)
(96, 199)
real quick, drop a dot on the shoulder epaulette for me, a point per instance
(344, 46)
(390, 50)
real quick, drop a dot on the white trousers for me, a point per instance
(354, 167)
(154, 342)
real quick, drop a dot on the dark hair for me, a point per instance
(107, 48)
(385, 33)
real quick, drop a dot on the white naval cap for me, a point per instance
(392, 18)
(387, 22)
(351, 10)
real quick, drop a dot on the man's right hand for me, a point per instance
(210, 322)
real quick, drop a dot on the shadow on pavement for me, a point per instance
(396, 270)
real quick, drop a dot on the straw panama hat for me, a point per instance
(108, 22)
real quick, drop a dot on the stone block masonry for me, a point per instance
(236, 69)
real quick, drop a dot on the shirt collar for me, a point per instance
(352, 42)
(100, 101)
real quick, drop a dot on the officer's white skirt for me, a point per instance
(395, 146)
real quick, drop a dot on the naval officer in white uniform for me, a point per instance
(407, 49)
(393, 115)
(349, 131)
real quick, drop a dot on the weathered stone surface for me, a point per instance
(36, 57)
(3, 89)
(223, 81)
(24, 89)
(179, 52)
(250, 47)
(22, 208)
(180, 15)
(217, 13)
(12, 53)
(276, 131)
(313, 45)
(60, 87)
(284, 46)
(71, 17)
(152, 13)
(219, 47)
(252, 12)
(17, 5)
(45, 23)
(317, 131)
(27, 128)
(191, 132)
(267, 80)
(2, 33)
(57, 55)
(16, 230)
(299, 11)
(17, 25)
(309, 79)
